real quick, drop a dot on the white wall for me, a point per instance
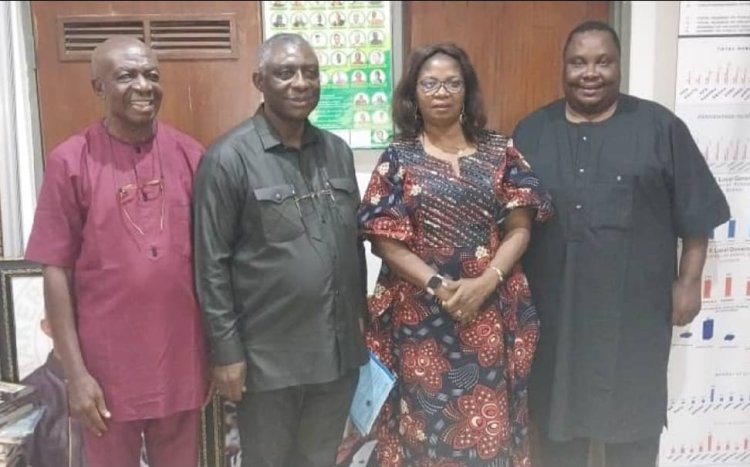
(20, 161)
(653, 51)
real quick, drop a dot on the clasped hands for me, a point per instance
(462, 298)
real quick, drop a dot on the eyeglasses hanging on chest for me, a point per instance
(313, 196)
(135, 198)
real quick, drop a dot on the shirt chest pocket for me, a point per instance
(347, 203)
(279, 213)
(612, 203)
(180, 226)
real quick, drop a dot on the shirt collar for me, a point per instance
(147, 141)
(269, 137)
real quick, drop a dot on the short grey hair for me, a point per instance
(264, 52)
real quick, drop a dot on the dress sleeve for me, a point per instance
(517, 186)
(56, 235)
(383, 210)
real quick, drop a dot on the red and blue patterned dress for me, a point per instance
(461, 396)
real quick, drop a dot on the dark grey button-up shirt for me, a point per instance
(601, 270)
(279, 265)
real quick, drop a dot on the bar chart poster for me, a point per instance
(353, 42)
(709, 369)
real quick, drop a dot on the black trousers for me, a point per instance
(575, 453)
(299, 426)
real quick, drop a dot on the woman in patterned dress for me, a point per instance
(449, 209)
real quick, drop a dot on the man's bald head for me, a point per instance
(105, 53)
(125, 75)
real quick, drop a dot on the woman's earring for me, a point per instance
(417, 117)
(462, 116)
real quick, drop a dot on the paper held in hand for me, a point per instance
(375, 383)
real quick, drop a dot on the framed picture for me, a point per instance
(25, 347)
(23, 344)
(221, 436)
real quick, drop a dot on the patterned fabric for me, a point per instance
(461, 395)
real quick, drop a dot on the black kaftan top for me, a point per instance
(601, 270)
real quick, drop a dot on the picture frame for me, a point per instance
(24, 347)
(220, 445)
(21, 309)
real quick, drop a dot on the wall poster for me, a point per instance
(353, 41)
(709, 370)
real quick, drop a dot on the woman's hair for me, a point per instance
(405, 107)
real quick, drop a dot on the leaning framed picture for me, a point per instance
(221, 436)
(26, 351)
(23, 344)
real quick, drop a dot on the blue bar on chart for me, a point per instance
(708, 329)
(732, 227)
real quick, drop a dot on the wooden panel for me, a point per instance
(204, 98)
(516, 47)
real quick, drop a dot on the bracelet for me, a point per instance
(500, 274)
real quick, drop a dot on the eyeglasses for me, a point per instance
(432, 86)
(150, 190)
(312, 196)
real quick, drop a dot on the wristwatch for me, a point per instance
(434, 282)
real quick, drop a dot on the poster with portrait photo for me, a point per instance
(359, 77)
(357, 37)
(381, 136)
(361, 99)
(318, 20)
(319, 40)
(299, 20)
(377, 77)
(339, 59)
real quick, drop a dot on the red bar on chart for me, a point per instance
(747, 288)
(728, 286)
(707, 287)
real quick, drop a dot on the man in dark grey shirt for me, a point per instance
(280, 267)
